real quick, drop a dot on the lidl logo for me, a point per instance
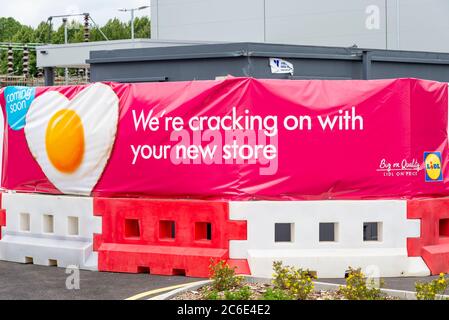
(432, 164)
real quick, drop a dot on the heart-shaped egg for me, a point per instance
(72, 140)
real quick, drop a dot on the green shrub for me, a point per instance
(430, 290)
(357, 287)
(297, 282)
(212, 295)
(223, 276)
(276, 294)
(243, 293)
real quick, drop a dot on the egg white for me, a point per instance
(98, 108)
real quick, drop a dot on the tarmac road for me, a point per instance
(28, 281)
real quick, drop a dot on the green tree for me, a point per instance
(13, 31)
(8, 28)
(24, 35)
(42, 33)
(142, 27)
(116, 30)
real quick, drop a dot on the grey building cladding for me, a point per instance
(207, 62)
(419, 25)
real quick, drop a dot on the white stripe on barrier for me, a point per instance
(330, 259)
(49, 230)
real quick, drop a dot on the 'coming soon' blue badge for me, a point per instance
(18, 101)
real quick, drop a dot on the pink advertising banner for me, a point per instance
(234, 139)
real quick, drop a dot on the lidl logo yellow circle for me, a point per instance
(433, 166)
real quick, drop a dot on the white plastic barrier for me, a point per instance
(49, 230)
(385, 257)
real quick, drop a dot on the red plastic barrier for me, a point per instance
(433, 245)
(165, 237)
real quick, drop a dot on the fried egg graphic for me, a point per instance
(72, 140)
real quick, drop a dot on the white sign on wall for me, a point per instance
(281, 66)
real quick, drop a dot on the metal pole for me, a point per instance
(66, 71)
(366, 64)
(132, 16)
(49, 74)
(50, 19)
(65, 31)
(132, 24)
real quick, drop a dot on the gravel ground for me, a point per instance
(259, 289)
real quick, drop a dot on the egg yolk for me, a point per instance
(64, 140)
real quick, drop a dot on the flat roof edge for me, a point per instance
(122, 41)
(254, 49)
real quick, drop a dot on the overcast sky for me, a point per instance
(32, 12)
